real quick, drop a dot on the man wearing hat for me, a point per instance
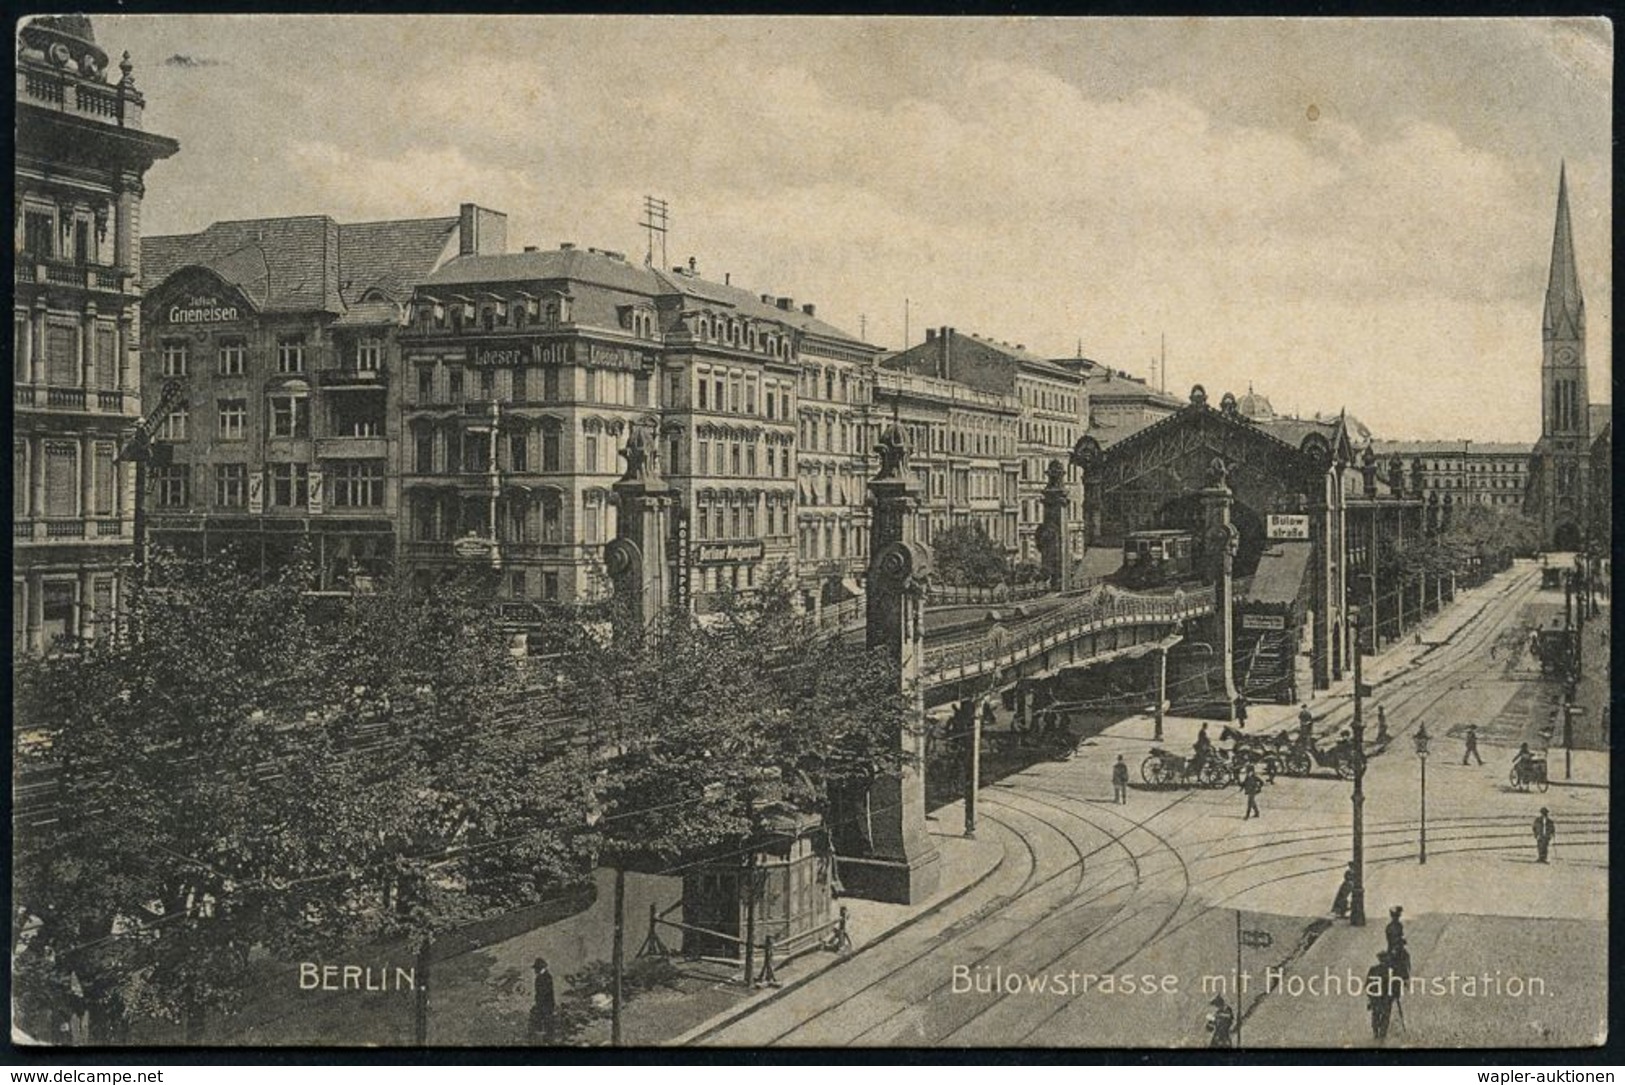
(543, 1008)
(1545, 830)
(1395, 929)
(1472, 745)
(1345, 891)
(1379, 999)
(1221, 1023)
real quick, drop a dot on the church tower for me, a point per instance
(1559, 479)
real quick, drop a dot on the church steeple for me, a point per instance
(1565, 308)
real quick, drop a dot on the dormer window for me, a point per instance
(369, 355)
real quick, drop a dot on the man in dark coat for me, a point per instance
(1545, 831)
(1221, 1023)
(1395, 931)
(543, 1009)
(1120, 781)
(1241, 712)
(1378, 999)
(1472, 745)
(1203, 746)
(1252, 785)
(1340, 903)
(1306, 726)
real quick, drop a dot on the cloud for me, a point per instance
(182, 60)
(421, 181)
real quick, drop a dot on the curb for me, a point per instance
(730, 1017)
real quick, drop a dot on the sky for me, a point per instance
(1337, 213)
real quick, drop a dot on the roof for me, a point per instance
(600, 269)
(1451, 448)
(1108, 432)
(305, 262)
(391, 256)
(1280, 573)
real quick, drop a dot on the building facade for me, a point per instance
(81, 163)
(526, 374)
(1447, 474)
(283, 333)
(965, 454)
(1119, 404)
(1054, 412)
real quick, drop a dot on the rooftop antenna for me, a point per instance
(1162, 365)
(863, 326)
(906, 339)
(656, 217)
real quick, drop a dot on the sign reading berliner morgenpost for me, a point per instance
(930, 533)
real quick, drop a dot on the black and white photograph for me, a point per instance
(802, 532)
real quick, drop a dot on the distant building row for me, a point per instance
(411, 393)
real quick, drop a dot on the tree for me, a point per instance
(965, 554)
(240, 778)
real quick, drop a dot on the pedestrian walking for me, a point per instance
(1241, 713)
(1382, 726)
(1345, 892)
(1545, 831)
(1306, 726)
(1120, 781)
(840, 939)
(1471, 749)
(1221, 1023)
(543, 1008)
(1252, 785)
(1395, 930)
(1378, 997)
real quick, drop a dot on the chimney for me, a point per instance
(531, 248)
(810, 309)
(767, 299)
(787, 304)
(930, 334)
(945, 365)
(481, 232)
(567, 246)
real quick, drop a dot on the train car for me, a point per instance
(1153, 559)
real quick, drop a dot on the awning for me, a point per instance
(1280, 575)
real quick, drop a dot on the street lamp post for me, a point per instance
(1357, 894)
(1421, 739)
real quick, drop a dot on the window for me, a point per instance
(518, 449)
(233, 357)
(550, 586)
(174, 426)
(423, 452)
(106, 479)
(702, 458)
(454, 385)
(39, 234)
(769, 402)
(550, 384)
(172, 485)
(589, 460)
(233, 419)
(357, 484)
(552, 514)
(733, 459)
(591, 384)
(290, 485)
(704, 389)
(175, 357)
(592, 509)
(550, 448)
(61, 479)
(290, 354)
(750, 460)
(369, 355)
(516, 584)
(425, 384)
(290, 416)
(673, 450)
(231, 485)
(488, 383)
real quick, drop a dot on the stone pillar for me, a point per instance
(901, 865)
(636, 557)
(87, 480)
(36, 615)
(36, 334)
(87, 353)
(1222, 540)
(1052, 540)
(87, 605)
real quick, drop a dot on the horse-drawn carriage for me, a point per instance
(1164, 769)
(1285, 754)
